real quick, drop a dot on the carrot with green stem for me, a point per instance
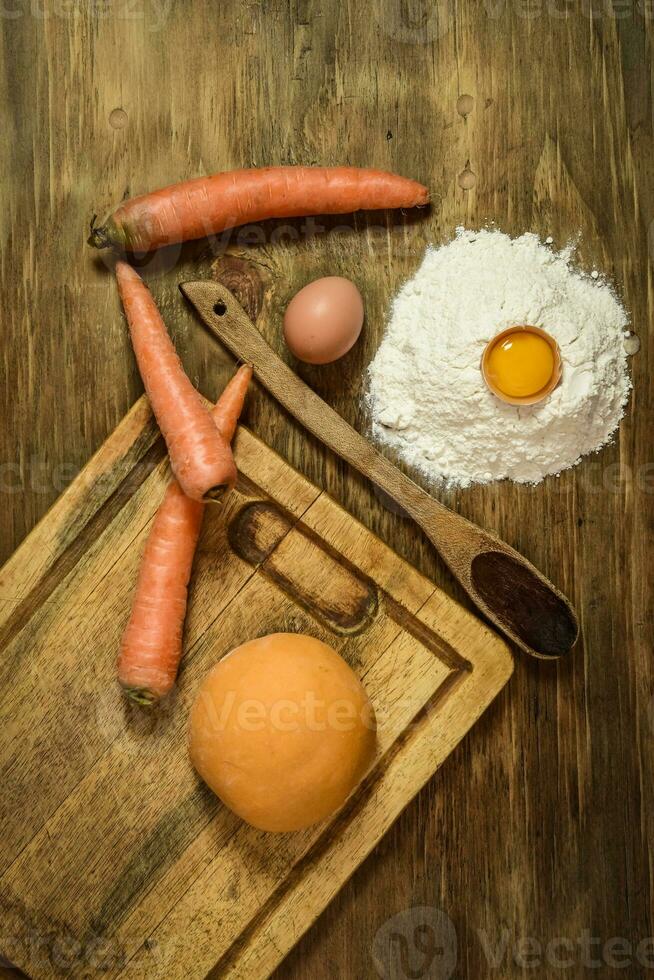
(151, 646)
(200, 456)
(208, 205)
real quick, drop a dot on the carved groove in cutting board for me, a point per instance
(444, 651)
(258, 531)
(336, 593)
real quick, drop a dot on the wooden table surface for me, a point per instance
(539, 827)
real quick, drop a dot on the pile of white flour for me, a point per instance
(427, 395)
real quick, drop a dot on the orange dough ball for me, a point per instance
(282, 730)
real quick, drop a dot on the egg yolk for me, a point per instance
(521, 364)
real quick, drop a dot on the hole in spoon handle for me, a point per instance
(524, 604)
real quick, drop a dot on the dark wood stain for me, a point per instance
(164, 844)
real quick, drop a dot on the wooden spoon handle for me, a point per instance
(504, 585)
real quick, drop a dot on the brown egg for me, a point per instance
(282, 731)
(323, 321)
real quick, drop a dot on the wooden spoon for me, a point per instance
(505, 586)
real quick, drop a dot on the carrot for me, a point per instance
(207, 205)
(151, 646)
(200, 456)
(227, 410)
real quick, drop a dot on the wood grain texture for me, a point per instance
(115, 858)
(541, 825)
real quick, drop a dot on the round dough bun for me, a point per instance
(282, 730)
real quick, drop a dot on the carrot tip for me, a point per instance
(99, 238)
(141, 696)
(214, 495)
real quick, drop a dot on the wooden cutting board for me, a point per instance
(114, 857)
